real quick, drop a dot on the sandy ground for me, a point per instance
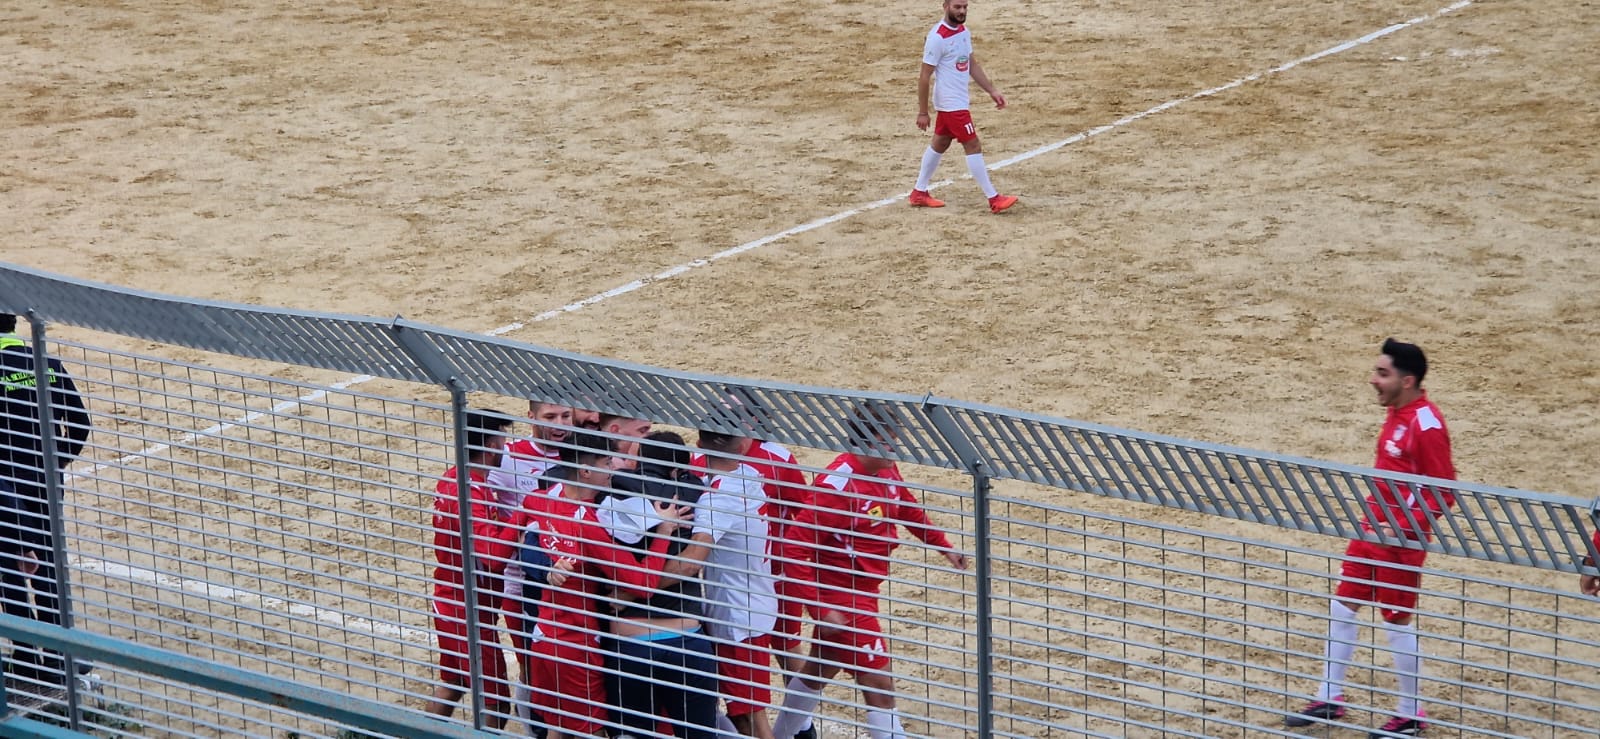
(1223, 270)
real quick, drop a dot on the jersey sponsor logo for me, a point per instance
(962, 64)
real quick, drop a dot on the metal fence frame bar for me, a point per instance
(286, 694)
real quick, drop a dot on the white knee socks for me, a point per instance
(980, 172)
(882, 724)
(1342, 629)
(930, 162)
(798, 704)
(1407, 665)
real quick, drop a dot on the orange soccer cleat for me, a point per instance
(921, 199)
(1001, 202)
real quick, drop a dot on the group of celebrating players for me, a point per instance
(647, 589)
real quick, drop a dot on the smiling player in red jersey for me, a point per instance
(1414, 441)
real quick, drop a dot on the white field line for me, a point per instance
(246, 597)
(667, 274)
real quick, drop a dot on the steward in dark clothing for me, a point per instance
(27, 557)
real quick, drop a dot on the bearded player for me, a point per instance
(948, 65)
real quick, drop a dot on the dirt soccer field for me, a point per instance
(1215, 266)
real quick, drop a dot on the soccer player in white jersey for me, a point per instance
(948, 63)
(741, 597)
(524, 462)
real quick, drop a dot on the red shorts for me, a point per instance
(455, 668)
(859, 645)
(956, 124)
(1394, 589)
(568, 687)
(746, 674)
(791, 616)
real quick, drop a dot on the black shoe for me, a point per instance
(810, 732)
(1316, 712)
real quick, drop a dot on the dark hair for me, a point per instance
(868, 424)
(717, 441)
(666, 448)
(8, 323)
(585, 448)
(482, 424)
(744, 404)
(1407, 358)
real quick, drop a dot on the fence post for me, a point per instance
(469, 564)
(982, 566)
(439, 369)
(50, 464)
(972, 459)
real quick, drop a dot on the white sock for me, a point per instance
(980, 172)
(882, 724)
(522, 699)
(1342, 628)
(1407, 665)
(930, 162)
(798, 704)
(725, 725)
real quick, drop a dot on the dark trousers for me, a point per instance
(32, 597)
(675, 679)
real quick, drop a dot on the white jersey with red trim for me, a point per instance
(741, 599)
(949, 51)
(520, 468)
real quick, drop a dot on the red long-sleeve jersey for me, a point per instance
(495, 533)
(785, 485)
(569, 528)
(840, 546)
(1414, 441)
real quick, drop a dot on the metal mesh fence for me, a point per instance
(1125, 584)
(261, 523)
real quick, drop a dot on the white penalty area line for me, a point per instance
(161, 580)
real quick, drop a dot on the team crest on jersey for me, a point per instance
(962, 64)
(1392, 445)
(556, 543)
(876, 511)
